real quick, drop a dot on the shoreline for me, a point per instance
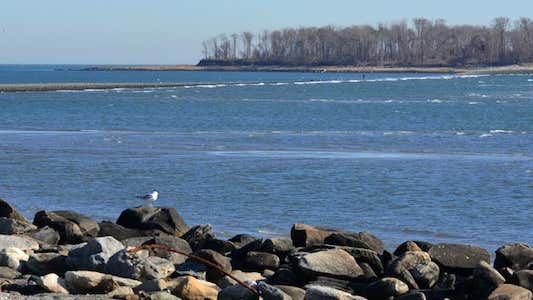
(151, 253)
(511, 69)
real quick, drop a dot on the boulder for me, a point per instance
(269, 292)
(119, 232)
(95, 254)
(71, 226)
(242, 239)
(368, 256)
(122, 292)
(385, 288)
(198, 235)
(303, 235)
(334, 263)
(285, 276)
(44, 263)
(14, 226)
(426, 274)
(154, 285)
(214, 275)
(357, 240)
(190, 288)
(226, 281)
(237, 292)
(326, 293)
(278, 246)
(295, 292)
(413, 296)
(172, 242)
(401, 266)
(8, 273)
(458, 258)
(523, 278)
(218, 245)
(406, 246)
(258, 261)
(127, 264)
(240, 252)
(157, 268)
(162, 296)
(517, 256)
(136, 241)
(191, 268)
(338, 284)
(9, 211)
(165, 219)
(485, 280)
(13, 257)
(510, 292)
(46, 234)
(21, 242)
(52, 283)
(89, 282)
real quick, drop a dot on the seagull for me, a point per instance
(150, 197)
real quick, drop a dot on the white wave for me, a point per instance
(173, 96)
(94, 90)
(435, 101)
(473, 102)
(460, 133)
(530, 80)
(485, 135)
(497, 131)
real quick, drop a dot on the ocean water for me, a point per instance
(433, 157)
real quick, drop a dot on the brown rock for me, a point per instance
(190, 288)
(9, 211)
(510, 292)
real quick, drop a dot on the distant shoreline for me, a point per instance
(511, 69)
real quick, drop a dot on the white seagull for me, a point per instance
(150, 197)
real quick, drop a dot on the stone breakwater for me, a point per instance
(151, 253)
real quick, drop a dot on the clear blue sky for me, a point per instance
(171, 31)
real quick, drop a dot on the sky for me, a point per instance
(171, 31)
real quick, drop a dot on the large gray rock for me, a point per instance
(95, 254)
(334, 263)
(485, 280)
(258, 261)
(13, 258)
(9, 211)
(385, 288)
(295, 292)
(71, 226)
(510, 292)
(523, 278)
(214, 275)
(304, 235)
(356, 240)
(46, 234)
(401, 266)
(198, 235)
(316, 292)
(22, 242)
(236, 292)
(53, 283)
(458, 258)
(165, 219)
(157, 268)
(426, 274)
(120, 232)
(14, 226)
(127, 264)
(89, 282)
(44, 263)
(269, 292)
(226, 281)
(368, 256)
(517, 256)
(8, 273)
(278, 246)
(172, 242)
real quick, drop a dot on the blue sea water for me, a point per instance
(434, 157)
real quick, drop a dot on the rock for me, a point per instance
(356, 240)
(191, 268)
(236, 292)
(516, 256)
(368, 256)
(52, 283)
(240, 253)
(9, 211)
(485, 280)
(267, 273)
(153, 285)
(13, 257)
(47, 235)
(13, 226)
(127, 264)
(165, 219)
(45, 263)
(334, 263)
(213, 275)
(303, 235)
(338, 284)
(118, 232)
(21, 242)
(412, 296)
(406, 246)
(87, 282)
(136, 241)
(426, 274)
(327, 293)
(190, 288)
(258, 261)
(446, 282)
(71, 226)
(269, 292)
(226, 281)
(242, 239)
(163, 296)
(95, 254)
(401, 266)
(458, 258)
(386, 287)
(218, 245)
(172, 242)
(278, 246)
(121, 292)
(285, 276)
(198, 235)
(510, 292)
(157, 268)
(295, 292)
(8, 273)
(523, 278)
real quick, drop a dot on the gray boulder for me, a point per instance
(21, 242)
(165, 219)
(485, 280)
(258, 261)
(9, 211)
(95, 254)
(44, 263)
(236, 292)
(523, 278)
(46, 234)
(269, 292)
(517, 256)
(14, 226)
(385, 288)
(458, 258)
(426, 274)
(214, 275)
(510, 292)
(89, 282)
(71, 226)
(157, 268)
(315, 292)
(127, 264)
(198, 235)
(334, 263)
(13, 258)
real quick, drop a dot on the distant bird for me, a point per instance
(150, 197)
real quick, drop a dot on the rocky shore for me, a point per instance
(151, 253)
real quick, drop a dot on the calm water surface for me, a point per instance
(405, 156)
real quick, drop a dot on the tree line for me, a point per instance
(421, 42)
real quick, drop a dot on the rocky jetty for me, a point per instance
(151, 253)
